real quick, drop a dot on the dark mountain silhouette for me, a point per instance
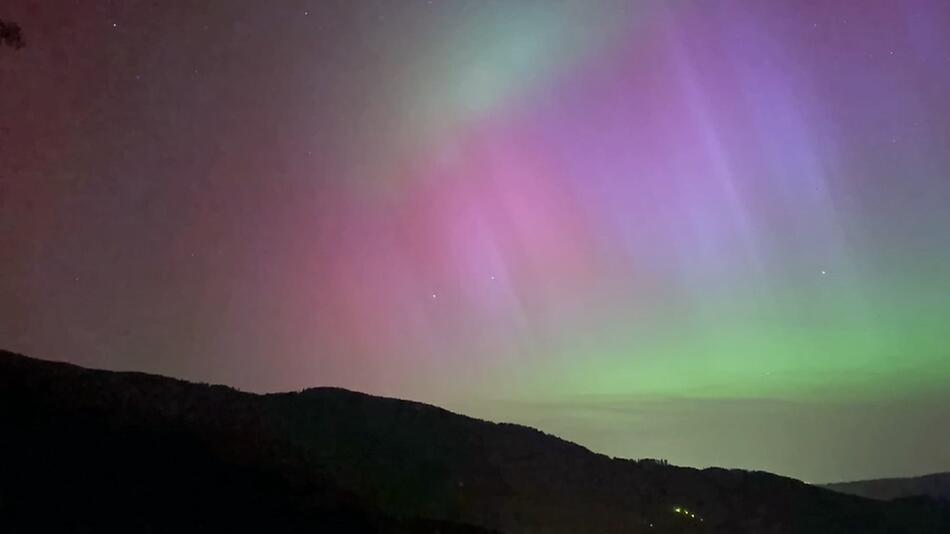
(99, 451)
(935, 486)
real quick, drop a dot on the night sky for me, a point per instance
(712, 232)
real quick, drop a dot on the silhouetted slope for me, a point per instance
(936, 486)
(110, 451)
(95, 451)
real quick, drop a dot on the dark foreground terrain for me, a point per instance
(97, 451)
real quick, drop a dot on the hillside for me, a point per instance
(936, 486)
(104, 451)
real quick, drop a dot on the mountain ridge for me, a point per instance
(933, 485)
(352, 462)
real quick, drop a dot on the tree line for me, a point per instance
(11, 35)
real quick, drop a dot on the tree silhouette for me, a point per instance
(11, 34)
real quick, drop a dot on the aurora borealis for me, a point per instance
(713, 232)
